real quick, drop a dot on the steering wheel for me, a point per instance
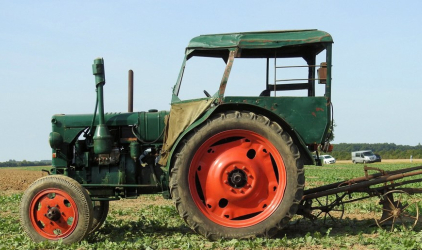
(206, 93)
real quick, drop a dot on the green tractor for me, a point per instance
(233, 165)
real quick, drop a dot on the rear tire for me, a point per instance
(238, 175)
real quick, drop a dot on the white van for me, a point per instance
(364, 156)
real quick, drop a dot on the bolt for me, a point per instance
(241, 191)
(225, 181)
(243, 167)
(250, 176)
(227, 172)
(235, 166)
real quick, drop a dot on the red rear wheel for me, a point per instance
(237, 175)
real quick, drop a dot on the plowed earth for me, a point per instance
(16, 181)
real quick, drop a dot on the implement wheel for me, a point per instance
(329, 208)
(238, 176)
(399, 211)
(56, 207)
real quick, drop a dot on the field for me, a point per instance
(151, 222)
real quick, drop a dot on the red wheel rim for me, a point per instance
(53, 214)
(237, 178)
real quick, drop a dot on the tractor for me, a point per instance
(233, 164)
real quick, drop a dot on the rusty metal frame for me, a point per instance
(363, 184)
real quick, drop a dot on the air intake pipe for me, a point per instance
(102, 137)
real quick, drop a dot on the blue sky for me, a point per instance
(47, 48)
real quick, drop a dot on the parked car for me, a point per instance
(363, 156)
(378, 158)
(328, 159)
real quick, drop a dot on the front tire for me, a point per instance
(56, 207)
(99, 214)
(239, 175)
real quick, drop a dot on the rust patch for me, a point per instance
(319, 109)
(313, 113)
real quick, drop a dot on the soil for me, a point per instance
(16, 181)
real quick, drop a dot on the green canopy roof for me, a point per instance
(262, 39)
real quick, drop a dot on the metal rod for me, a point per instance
(302, 66)
(268, 74)
(130, 92)
(359, 179)
(361, 185)
(303, 79)
(275, 74)
(119, 185)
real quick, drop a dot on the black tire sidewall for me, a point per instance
(99, 215)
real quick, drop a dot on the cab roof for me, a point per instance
(260, 39)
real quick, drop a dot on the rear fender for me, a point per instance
(305, 153)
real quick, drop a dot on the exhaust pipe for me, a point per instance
(130, 92)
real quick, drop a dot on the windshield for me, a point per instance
(256, 76)
(368, 153)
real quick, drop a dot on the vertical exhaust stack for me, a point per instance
(102, 137)
(130, 92)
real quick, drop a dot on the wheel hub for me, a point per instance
(53, 213)
(237, 178)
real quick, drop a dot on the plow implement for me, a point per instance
(399, 209)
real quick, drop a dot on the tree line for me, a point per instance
(342, 151)
(24, 163)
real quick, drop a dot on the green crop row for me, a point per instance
(159, 226)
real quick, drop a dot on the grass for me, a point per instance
(30, 168)
(147, 224)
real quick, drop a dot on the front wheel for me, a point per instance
(99, 214)
(238, 176)
(56, 207)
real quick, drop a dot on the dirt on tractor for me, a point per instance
(16, 181)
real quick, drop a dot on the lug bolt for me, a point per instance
(241, 191)
(225, 181)
(243, 167)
